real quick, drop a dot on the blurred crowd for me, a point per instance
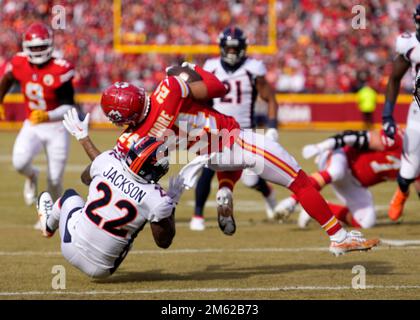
(319, 50)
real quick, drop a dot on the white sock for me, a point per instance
(339, 236)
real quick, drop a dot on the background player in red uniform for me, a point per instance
(351, 162)
(46, 83)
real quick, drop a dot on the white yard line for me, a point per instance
(207, 290)
(411, 245)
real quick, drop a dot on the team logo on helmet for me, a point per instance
(115, 116)
(48, 80)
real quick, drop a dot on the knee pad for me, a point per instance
(249, 178)
(67, 194)
(20, 164)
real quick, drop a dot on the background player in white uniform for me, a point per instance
(46, 83)
(123, 196)
(244, 78)
(408, 54)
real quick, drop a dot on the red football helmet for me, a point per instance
(38, 43)
(124, 103)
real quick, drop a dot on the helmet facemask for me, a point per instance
(38, 51)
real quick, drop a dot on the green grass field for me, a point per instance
(263, 260)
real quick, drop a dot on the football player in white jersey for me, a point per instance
(96, 235)
(245, 79)
(408, 54)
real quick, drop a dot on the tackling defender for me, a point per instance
(351, 162)
(408, 54)
(245, 79)
(46, 83)
(171, 101)
(97, 235)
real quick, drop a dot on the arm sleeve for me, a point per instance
(402, 45)
(215, 88)
(59, 112)
(65, 93)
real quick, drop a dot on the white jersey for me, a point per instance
(239, 102)
(408, 46)
(117, 208)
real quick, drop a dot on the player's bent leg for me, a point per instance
(202, 192)
(72, 254)
(224, 200)
(70, 203)
(27, 145)
(410, 162)
(70, 210)
(365, 217)
(251, 180)
(57, 153)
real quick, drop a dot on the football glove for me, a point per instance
(272, 134)
(78, 129)
(176, 187)
(188, 65)
(2, 112)
(388, 124)
(38, 116)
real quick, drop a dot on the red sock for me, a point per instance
(228, 178)
(340, 212)
(314, 204)
(325, 176)
(354, 223)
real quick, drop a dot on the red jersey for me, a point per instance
(39, 85)
(169, 107)
(164, 106)
(372, 167)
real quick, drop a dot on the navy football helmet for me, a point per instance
(233, 43)
(148, 158)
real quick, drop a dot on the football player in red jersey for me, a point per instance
(172, 102)
(46, 83)
(351, 162)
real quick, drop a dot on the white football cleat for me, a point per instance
(30, 188)
(37, 225)
(197, 223)
(285, 208)
(44, 206)
(304, 219)
(224, 200)
(354, 241)
(270, 205)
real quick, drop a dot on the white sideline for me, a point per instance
(216, 290)
(387, 243)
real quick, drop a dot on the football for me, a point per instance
(185, 73)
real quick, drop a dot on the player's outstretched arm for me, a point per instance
(80, 130)
(164, 231)
(399, 68)
(267, 93)
(85, 177)
(356, 139)
(5, 85)
(208, 88)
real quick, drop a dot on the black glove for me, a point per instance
(388, 124)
